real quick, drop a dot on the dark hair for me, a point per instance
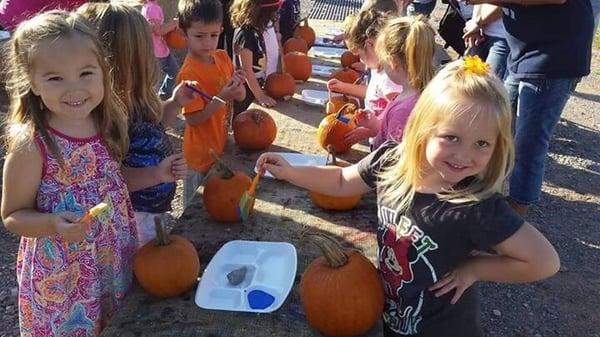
(205, 11)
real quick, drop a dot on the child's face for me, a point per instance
(460, 148)
(368, 56)
(67, 76)
(203, 38)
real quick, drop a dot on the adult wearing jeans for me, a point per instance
(424, 7)
(550, 48)
(485, 35)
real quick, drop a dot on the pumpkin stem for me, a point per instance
(331, 249)
(162, 236)
(227, 172)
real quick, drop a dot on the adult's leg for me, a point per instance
(497, 55)
(169, 67)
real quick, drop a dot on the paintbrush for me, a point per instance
(200, 92)
(247, 200)
(92, 213)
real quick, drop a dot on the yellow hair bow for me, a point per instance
(474, 65)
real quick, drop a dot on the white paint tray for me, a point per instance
(323, 41)
(322, 70)
(326, 52)
(316, 97)
(271, 268)
(298, 159)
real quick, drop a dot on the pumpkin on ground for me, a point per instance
(254, 129)
(295, 44)
(222, 192)
(175, 39)
(280, 84)
(332, 130)
(166, 266)
(348, 59)
(298, 65)
(346, 75)
(305, 32)
(341, 291)
(335, 203)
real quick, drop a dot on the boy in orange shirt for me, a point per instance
(206, 120)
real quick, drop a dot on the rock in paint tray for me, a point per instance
(298, 159)
(270, 270)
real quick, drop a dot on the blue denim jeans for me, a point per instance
(169, 68)
(494, 51)
(416, 8)
(538, 104)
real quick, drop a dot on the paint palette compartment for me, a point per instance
(298, 159)
(270, 273)
(326, 52)
(323, 71)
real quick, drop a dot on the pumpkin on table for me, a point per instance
(298, 65)
(254, 129)
(175, 39)
(295, 44)
(166, 266)
(335, 203)
(305, 32)
(348, 59)
(346, 75)
(341, 291)
(280, 84)
(332, 130)
(222, 192)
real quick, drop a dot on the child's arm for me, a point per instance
(262, 98)
(331, 180)
(181, 96)
(227, 94)
(21, 180)
(525, 256)
(356, 90)
(169, 170)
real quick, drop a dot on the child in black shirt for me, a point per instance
(438, 198)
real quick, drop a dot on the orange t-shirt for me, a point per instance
(212, 133)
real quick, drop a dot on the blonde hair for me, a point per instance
(362, 26)
(249, 13)
(454, 91)
(127, 39)
(26, 113)
(409, 41)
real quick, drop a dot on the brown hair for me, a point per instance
(249, 13)
(26, 113)
(362, 26)
(205, 11)
(127, 38)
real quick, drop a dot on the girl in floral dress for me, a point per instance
(66, 134)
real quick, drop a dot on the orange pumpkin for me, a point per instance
(168, 265)
(348, 59)
(298, 65)
(334, 203)
(332, 131)
(335, 103)
(305, 32)
(175, 39)
(280, 84)
(254, 129)
(346, 75)
(295, 44)
(341, 291)
(222, 193)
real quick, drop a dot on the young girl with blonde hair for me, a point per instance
(150, 167)
(66, 135)
(438, 199)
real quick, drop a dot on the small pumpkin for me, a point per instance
(332, 130)
(346, 75)
(222, 192)
(335, 103)
(298, 65)
(348, 59)
(341, 291)
(254, 129)
(280, 84)
(168, 265)
(305, 32)
(295, 44)
(175, 39)
(334, 203)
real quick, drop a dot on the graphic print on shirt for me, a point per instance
(403, 247)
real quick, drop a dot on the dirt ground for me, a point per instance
(564, 305)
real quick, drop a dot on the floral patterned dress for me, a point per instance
(72, 289)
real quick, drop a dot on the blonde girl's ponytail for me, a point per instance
(419, 48)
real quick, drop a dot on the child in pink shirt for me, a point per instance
(154, 14)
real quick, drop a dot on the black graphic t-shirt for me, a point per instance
(251, 39)
(418, 247)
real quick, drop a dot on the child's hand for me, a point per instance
(184, 95)
(358, 135)
(359, 67)
(367, 119)
(459, 279)
(336, 85)
(67, 225)
(275, 164)
(229, 91)
(266, 101)
(172, 168)
(240, 75)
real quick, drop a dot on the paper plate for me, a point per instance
(299, 159)
(328, 42)
(316, 97)
(326, 52)
(270, 274)
(323, 71)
